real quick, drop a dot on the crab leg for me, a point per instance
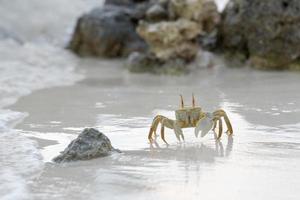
(215, 125)
(153, 128)
(165, 122)
(162, 133)
(228, 124)
(178, 131)
(221, 113)
(220, 128)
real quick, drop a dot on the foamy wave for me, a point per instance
(43, 21)
(29, 67)
(12, 187)
(20, 160)
(31, 58)
(25, 68)
(9, 118)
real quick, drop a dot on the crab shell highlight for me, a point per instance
(187, 117)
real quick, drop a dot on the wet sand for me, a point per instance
(261, 160)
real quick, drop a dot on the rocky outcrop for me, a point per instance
(141, 63)
(147, 62)
(88, 145)
(204, 12)
(108, 32)
(267, 33)
(156, 13)
(171, 39)
(165, 33)
(175, 39)
(177, 36)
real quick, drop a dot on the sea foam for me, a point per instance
(25, 68)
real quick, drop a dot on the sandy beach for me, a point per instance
(49, 95)
(260, 161)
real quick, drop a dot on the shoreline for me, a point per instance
(122, 106)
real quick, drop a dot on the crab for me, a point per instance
(188, 117)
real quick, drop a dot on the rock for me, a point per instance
(138, 7)
(129, 3)
(171, 39)
(205, 12)
(209, 41)
(190, 10)
(106, 32)
(141, 63)
(205, 59)
(178, 36)
(266, 32)
(156, 13)
(88, 145)
(210, 17)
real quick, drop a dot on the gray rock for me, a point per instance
(265, 32)
(88, 145)
(148, 63)
(138, 7)
(129, 3)
(209, 41)
(140, 62)
(106, 32)
(156, 13)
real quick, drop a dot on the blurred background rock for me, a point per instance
(165, 36)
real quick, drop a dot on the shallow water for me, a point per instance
(260, 161)
(32, 57)
(48, 95)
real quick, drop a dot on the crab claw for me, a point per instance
(204, 125)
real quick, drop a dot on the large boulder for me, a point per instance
(88, 145)
(267, 33)
(107, 32)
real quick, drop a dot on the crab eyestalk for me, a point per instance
(193, 100)
(182, 103)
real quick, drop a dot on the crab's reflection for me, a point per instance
(143, 169)
(192, 151)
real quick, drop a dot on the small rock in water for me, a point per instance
(88, 145)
